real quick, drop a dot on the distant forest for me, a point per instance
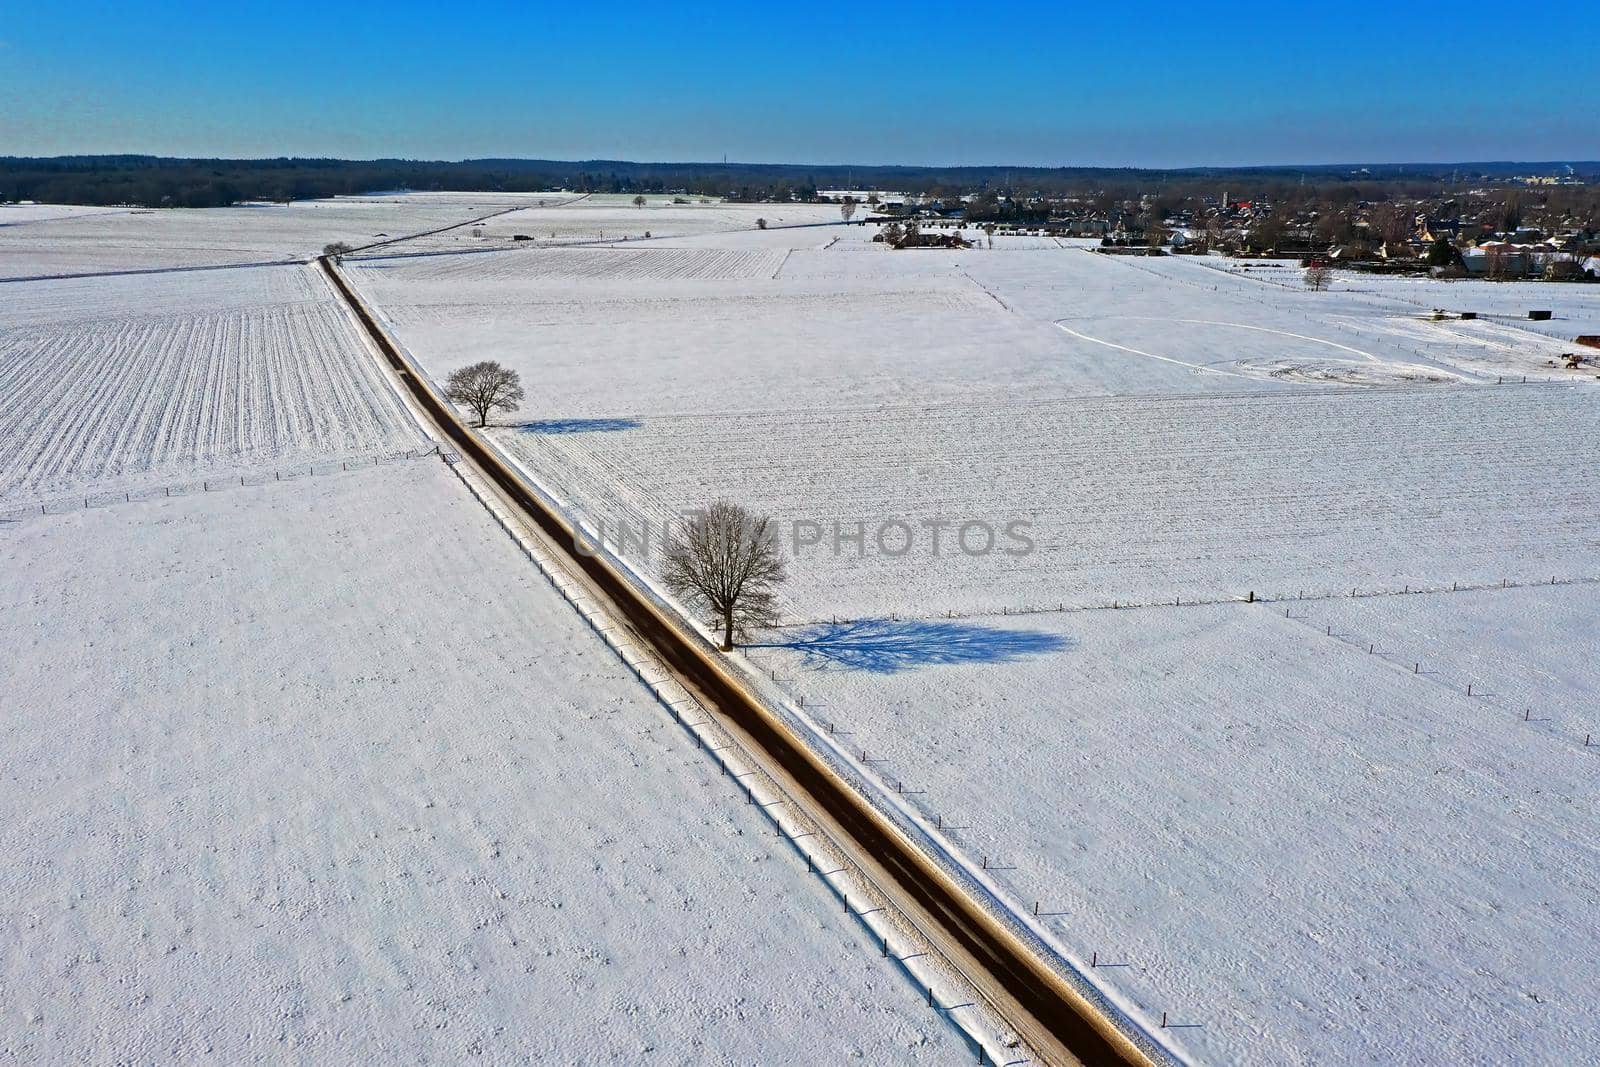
(152, 181)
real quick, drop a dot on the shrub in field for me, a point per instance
(336, 248)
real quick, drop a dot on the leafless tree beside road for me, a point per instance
(725, 561)
(484, 388)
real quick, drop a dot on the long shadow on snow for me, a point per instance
(561, 426)
(886, 646)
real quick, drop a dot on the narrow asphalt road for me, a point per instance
(1056, 1018)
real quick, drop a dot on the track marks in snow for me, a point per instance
(1137, 498)
(657, 264)
(122, 396)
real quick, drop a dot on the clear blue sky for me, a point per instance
(1021, 83)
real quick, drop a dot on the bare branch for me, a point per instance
(485, 387)
(725, 561)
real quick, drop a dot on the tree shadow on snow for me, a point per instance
(885, 646)
(560, 426)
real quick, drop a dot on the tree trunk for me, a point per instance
(727, 630)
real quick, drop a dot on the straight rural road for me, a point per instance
(1057, 1021)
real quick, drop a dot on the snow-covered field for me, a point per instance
(829, 328)
(337, 759)
(1574, 308)
(1134, 499)
(130, 381)
(1300, 850)
(324, 771)
(569, 218)
(23, 214)
(606, 263)
(101, 240)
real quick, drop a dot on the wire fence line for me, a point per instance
(1575, 734)
(61, 505)
(1180, 600)
(1462, 684)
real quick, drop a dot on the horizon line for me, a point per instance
(1185, 168)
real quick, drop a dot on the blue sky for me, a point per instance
(1023, 83)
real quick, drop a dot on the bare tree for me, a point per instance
(335, 249)
(725, 561)
(988, 233)
(1509, 213)
(1265, 233)
(1318, 277)
(638, 201)
(485, 387)
(1496, 263)
(893, 234)
(1393, 223)
(847, 208)
(1333, 226)
(761, 224)
(1155, 234)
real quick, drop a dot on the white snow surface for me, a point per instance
(72, 240)
(324, 771)
(338, 760)
(114, 383)
(1137, 499)
(601, 217)
(1297, 848)
(830, 329)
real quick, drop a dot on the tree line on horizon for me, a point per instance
(152, 181)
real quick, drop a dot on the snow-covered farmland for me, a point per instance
(1297, 848)
(1132, 499)
(827, 329)
(1574, 308)
(1168, 429)
(613, 347)
(120, 382)
(580, 219)
(1297, 835)
(24, 214)
(324, 770)
(96, 240)
(611, 262)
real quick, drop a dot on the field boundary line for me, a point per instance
(94, 499)
(1180, 601)
(292, 261)
(1568, 741)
